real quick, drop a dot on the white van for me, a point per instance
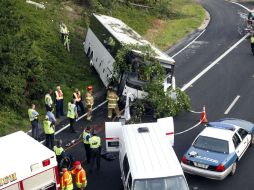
(147, 159)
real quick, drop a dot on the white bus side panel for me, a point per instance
(101, 58)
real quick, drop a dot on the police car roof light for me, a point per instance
(220, 125)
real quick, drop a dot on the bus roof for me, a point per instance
(22, 155)
(127, 35)
(150, 155)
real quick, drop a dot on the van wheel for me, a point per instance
(233, 169)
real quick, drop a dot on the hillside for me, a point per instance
(33, 58)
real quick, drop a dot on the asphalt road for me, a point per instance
(232, 76)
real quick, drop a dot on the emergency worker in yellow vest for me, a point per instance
(86, 136)
(78, 99)
(252, 43)
(72, 114)
(59, 151)
(48, 100)
(80, 175)
(59, 102)
(89, 102)
(49, 130)
(66, 179)
(112, 102)
(33, 117)
(95, 146)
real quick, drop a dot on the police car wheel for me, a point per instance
(233, 169)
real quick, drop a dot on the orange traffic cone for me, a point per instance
(203, 116)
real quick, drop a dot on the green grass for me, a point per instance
(71, 70)
(191, 17)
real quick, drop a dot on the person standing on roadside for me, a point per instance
(95, 145)
(59, 102)
(48, 100)
(80, 175)
(33, 117)
(78, 99)
(59, 151)
(51, 116)
(112, 98)
(72, 114)
(66, 179)
(86, 136)
(89, 102)
(49, 130)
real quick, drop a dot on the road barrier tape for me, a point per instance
(179, 133)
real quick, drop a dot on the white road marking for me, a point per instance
(232, 104)
(241, 6)
(188, 44)
(213, 63)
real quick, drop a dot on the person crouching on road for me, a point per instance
(66, 179)
(89, 102)
(33, 117)
(95, 145)
(49, 130)
(72, 114)
(80, 175)
(86, 136)
(112, 102)
(59, 151)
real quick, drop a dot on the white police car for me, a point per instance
(217, 149)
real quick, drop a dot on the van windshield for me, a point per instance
(169, 183)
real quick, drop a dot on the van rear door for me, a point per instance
(113, 131)
(167, 126)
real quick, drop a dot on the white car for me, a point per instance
(217, 149)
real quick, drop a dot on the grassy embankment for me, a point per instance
(75, 72)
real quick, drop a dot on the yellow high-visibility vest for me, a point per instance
(84, 137)
(252, 39)
(48, 128)
(95, 142)
(71, 110)
(58, 151)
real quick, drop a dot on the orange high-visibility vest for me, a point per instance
(77, 96)
(59, 95)
(80, 176)
(66, 180)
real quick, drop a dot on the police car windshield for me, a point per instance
(211, 144)
(169, 183)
